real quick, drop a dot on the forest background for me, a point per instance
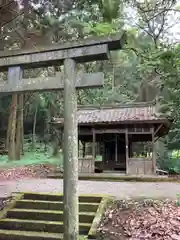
(147, 69)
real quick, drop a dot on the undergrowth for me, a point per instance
(36, 156)
(178, 199)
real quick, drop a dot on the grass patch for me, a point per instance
(31, 158)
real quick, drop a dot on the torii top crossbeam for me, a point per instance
(82, 51)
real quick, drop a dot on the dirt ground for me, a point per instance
(34, 179)
(124, 220)
(141, 220)
(31, 171)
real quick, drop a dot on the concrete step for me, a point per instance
(59, 197)
(49, 205)
(39, 216)
(47, 215)
(25, 235)
(55, 175)
(38, 226)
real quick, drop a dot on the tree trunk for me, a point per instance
(57, 142)
(55, 146)
(19, 134)
(34, 128)
(9, 126)
(12, 132)
(47, 130)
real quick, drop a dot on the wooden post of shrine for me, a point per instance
(116, 148)
(93, 144)
(84, 148)
(153, 153)
(127, 150)
(78, 147)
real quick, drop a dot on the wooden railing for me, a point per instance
(140, 166)
(86, 165)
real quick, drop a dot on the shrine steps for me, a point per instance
(39, 216)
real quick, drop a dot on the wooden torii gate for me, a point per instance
(69, 54)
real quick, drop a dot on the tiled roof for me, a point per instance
(122, 114)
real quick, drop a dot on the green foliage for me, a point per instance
(148, 66)
(178, 199)
(35, 157)
(169, 163)
(110, 9)
(170, 67)
(101, 28)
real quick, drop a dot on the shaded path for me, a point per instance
(118, 189)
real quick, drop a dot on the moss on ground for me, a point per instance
(31, 158)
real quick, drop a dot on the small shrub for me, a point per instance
(178, 199)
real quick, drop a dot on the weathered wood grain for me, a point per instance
(85, 80)
(56, 57)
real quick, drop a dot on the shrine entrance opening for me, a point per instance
(115, 152)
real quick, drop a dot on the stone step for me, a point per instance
(47, 215)
(41, 226)
(58, 170)
(24, 235)
(59, 197)
(48, 205)
(39, 216)
(55, 176)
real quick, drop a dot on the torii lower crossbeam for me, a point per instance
(81, 52)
